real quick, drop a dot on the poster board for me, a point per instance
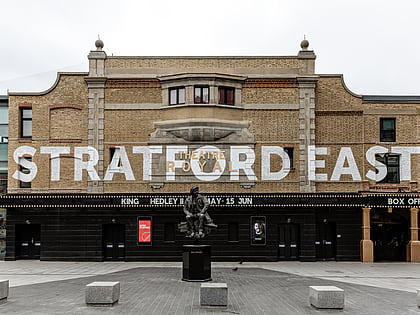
(258, 231)
(144, 231)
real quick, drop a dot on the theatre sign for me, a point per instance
(210, 163)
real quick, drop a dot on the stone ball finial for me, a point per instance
(99, 44)
(304, 44)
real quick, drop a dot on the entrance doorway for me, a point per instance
(325, 242)
(389, 233)
(28, 241)
(288, 244)
(113, 240)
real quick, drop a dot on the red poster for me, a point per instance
(145, 231)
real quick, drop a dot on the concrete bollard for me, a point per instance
(102, 293)
(213, 294)
(326, 297)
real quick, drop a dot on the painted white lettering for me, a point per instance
(245, 163)
(55, 159)
(371, 158)
(119, 164)
(313, 163)
(89, 165)
(171, 152)
(405, 162)
(266, 152)
(346, 154)
(147, 158)
(19, 157)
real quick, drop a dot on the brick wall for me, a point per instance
(60, 119)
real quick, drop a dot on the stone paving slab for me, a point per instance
(149, 290)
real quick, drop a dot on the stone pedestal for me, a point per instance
(196, 263)
(366, 251)
(213, 294)
(413, 251)
(326, 297)
(102, 293)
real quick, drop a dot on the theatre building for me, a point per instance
(294, 165)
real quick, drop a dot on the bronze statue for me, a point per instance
(199, 222)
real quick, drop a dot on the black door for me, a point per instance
(28, 241)
(389, 233)
(288, 246)
(113, 239)
(325, 241)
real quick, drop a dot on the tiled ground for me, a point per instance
(148, 290)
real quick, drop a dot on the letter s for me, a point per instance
(19, 158)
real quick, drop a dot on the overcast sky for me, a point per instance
(375, 44)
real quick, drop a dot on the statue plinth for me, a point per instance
(196, 263)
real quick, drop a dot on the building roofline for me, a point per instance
(202, 57)
(54, 85)
(391, 98)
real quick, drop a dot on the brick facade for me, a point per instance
(279, 102)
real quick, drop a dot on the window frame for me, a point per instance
(24, 119)
(387, 135)
(177, 96)
(225, 90)
(22, 184)
(290, 152)
(201, 88)
(384, 159)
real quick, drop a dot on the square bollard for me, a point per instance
(326, 297)
(4, 290)
(213, 294)
(102, 293)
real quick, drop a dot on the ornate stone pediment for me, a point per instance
(201, 130)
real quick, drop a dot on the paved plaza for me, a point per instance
(253, 288)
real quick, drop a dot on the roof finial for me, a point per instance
(304, 44)
(99, 44)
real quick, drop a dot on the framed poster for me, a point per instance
(144, 231)
(258, 230)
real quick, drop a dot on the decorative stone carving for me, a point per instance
(196, 130)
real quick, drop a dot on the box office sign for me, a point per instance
(144, 231)
(210, 163)
(258, 230)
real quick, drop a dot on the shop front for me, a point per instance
(136, 227)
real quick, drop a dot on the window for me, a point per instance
(392, 164)
(201, 95)
(387, 129)
(26, 122)
(3, 183)
(177, 96)
(25, 171)
(289, 152)
(3, 157)
(226, 95)
(3, 124)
